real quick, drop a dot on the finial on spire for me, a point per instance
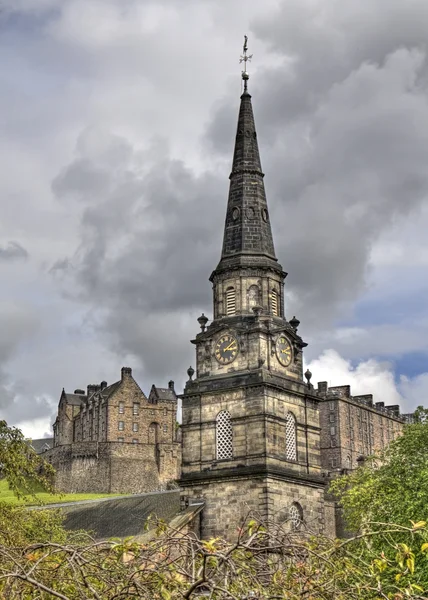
(244, 59)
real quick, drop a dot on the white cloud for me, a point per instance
(371, 377)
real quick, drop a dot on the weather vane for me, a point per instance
(244, 59)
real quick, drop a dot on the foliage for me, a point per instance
(24, 470)
(20, 526)
(392, 486)
(266, 562)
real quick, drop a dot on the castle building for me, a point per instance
(114, 439)
(353, 427)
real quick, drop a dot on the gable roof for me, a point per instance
(74, 399)
(41, 445)
(109, 390)
(163, 394)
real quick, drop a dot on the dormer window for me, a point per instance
(230, 301)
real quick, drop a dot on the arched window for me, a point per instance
(253, 296)
(274, 302)
(295, 515)
(348, 462)
(290, 437)
(230, 301)
(224, 435)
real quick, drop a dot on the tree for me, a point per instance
(391, 487)
(25, 471)
(267, 561)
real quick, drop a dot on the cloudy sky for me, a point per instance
(117, 122)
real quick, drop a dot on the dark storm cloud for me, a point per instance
(342, 129)
(13, 251)
(344, 141)
(148, 247)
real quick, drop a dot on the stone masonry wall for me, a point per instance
(229, 502)
(351, 426)
(141, 420)
(91, 467)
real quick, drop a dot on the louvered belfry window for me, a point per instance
(224, 435)
(274, 302)
(290, 437)
(230, 301)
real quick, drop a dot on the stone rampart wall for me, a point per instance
(114, 467)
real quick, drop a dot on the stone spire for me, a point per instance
(247, 231)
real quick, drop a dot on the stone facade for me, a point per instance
(353, 427)
(114, 439)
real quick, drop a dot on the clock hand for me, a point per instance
(231, 346)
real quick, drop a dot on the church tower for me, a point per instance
(250, 431)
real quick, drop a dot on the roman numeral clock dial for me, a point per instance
(226, 349)
(283, 351)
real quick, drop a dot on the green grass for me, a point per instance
(6, 495)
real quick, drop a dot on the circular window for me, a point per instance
(250, 212)
(265, 215)
(295, 515)
(235, 213)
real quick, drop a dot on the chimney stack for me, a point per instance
(126, 372)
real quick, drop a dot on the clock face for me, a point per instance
(226, 349)
(283, 351)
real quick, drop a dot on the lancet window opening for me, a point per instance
(274, 303)
(224, 436)
(230, 301)
(290, 437)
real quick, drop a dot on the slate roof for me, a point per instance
(165, 394)
(121, 516)
(74, 399)
(42, 445)
(109, 390)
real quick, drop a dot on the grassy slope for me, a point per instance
(7, 496)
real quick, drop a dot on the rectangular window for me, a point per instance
(332, 405)
(135, 408)
(165, 428)
(164, 412)
(121, 439)
(333, 430)
(332, 418)
(134, 441)
(134, 426)
(121, 408)
(121, 425)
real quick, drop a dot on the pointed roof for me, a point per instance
(247, 237)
